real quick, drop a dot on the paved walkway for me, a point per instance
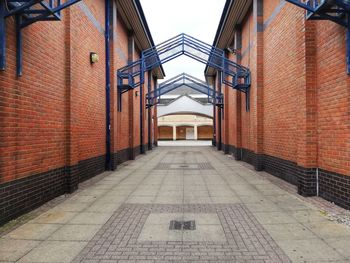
(185, 143)
(180, 204)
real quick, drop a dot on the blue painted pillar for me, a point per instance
(2, 35)
(108, 84)
(219, 120)
(19, 44)
(348, 46)
(149, 83)
(214, 113)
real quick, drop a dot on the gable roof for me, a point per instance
(134, 18)
(233, 14)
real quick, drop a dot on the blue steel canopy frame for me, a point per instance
(133, 75)
(26, 12)
(337, 11)
(187, 80)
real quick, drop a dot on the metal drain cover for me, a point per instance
(182, 225)
(184, 166)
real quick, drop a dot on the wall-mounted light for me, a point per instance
(93, 57)
(136, 93)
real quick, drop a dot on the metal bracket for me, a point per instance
(26, 13)
(337, 11)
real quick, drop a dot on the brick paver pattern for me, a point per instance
(247, 240)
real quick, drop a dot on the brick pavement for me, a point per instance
(246, 239)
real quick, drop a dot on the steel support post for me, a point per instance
(142, 148)
(2, 35)
(108, 84)
(219, 120)
(149, 83)
(214, 112)
(348, 45)
(19, 45)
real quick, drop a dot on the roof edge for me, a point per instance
(146, 29)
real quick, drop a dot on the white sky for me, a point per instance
(197, 18)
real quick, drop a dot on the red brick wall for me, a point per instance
(136, 109)
(121, 54)
(55, 114)
(333, 102)
(281, 83)
(89, 80)
(299, 102)
(32, 108)
(247, 60)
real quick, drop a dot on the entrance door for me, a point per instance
(189, 133)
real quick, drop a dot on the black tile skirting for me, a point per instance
(127, 154)
(23, 195)
(332, 186)
(84, 170)
(335, 188)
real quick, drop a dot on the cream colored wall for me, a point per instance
(191, 120)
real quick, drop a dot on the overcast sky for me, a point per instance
(198, 18)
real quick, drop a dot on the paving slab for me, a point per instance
(33, 231)
(310, 250)
(225, 212)
(75, 233)
(90, 218)
(12, 250)
(54, 252)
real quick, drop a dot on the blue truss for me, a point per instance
(184, 80)
(133, 75)
(27, 12)
(337, 11)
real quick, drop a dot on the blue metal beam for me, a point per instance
(183, 44)
(26, 12)
(2, 35)
(184, 80)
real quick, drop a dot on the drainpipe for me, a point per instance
(149, 112)
(108, 85)
(317, 183)
(142, 150)
(214, 113)
(219, 146)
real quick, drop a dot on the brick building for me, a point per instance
(185, 114)
(60, 122)
(297, 127)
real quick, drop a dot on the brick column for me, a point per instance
(259, 84)
(72, 125)
(238, 49)
(226, 117)
(149, 118)
(307, 114)
(131, 51)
